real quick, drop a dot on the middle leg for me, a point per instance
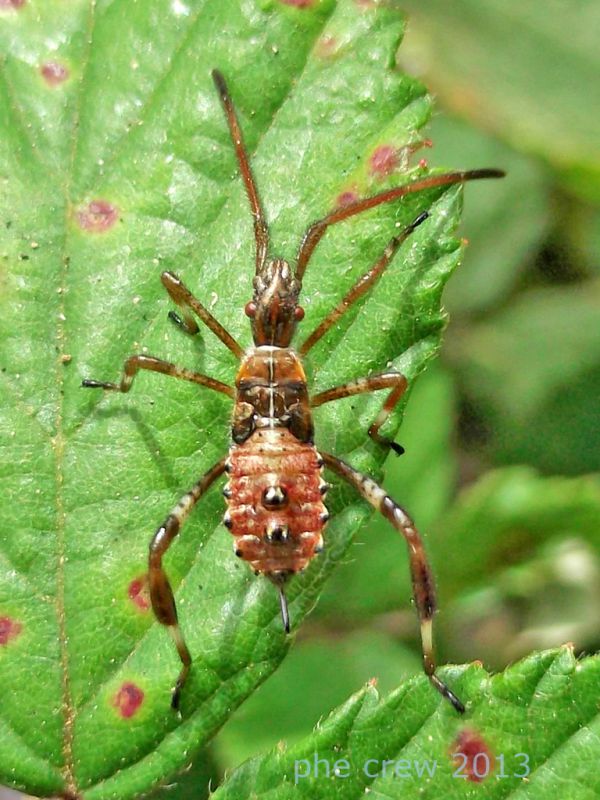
(394, 380)
(422, 578)
(362, 285)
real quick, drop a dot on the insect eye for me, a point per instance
(250, 308)
(299, 313)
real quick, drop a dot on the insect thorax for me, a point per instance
(271, 392)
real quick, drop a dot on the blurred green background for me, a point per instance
(502, 435)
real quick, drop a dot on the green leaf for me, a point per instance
(526, 71)
(116, 168)
(530, 732)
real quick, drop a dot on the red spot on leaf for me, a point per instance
(98, 216)
(54, 73)
(473, 758)
(346, 197)
(9, 629)
(326, 46)
(128, 699)
(387, 159)
(297, 3)
(138, 593)
(11, 3)
(383, 161)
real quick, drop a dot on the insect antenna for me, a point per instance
(261, 230)
(315, 233)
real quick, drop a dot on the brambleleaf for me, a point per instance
(530, 732)
(115, 163)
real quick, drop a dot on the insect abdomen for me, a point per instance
(275, 501)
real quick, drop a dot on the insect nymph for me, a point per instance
(275, 491)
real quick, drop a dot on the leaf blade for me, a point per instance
(409, 728)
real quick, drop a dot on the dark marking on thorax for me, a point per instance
(271, 392)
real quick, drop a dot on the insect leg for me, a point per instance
(422, 578)
(391, 401)
(161, 594)
(362, 285)
(136, 363)
(187, 303)
(315, 233)
(371, 384)
(261, 231)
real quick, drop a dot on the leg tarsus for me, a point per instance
(446, 692)
(385, 442)
(91, 384)
(186, 660)
(188, 326)
(390, 404)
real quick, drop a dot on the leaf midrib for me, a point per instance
(58, 441)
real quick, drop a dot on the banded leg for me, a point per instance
(186, 301)
(135, 363)
(261, 231)
(371, 384)
(362, 285)
(422, 578)
(161, 594)
(315, 233)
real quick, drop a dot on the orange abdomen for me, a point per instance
(275, 501)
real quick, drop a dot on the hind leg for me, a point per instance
(422, 578)
(161, 593)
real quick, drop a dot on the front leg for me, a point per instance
(186, 301)
(135, 363)
(161, 593)
(394, 380)
(422, 578)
